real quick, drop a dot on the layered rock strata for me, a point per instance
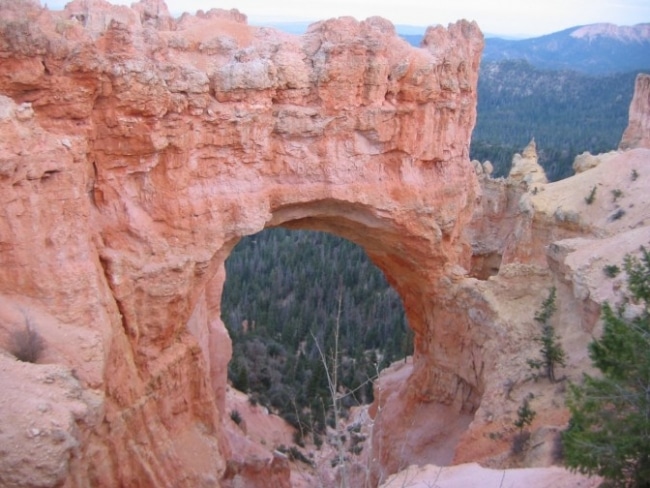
(137, 149)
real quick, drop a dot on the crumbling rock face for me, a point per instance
(505, 227)
(38, 437)
(637, 133)
(137, 149)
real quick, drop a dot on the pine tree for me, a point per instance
(525, 415)
(609, 431)
(551, 350)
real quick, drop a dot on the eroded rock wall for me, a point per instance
(137, 149)
(568, 235)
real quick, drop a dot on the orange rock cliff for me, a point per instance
(137, 149)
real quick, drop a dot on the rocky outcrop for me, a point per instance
(637, 133)
(137, 149)
(526, 239)
(41, 406)
(587, 161)
(526, 168)
(573, 235)
(566, 235)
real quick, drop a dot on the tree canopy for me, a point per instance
(292, 295)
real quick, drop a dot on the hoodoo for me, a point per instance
(637, 133)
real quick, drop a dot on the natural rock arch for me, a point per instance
(417, 260)
(149, 146)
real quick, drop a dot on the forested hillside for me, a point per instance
(281, 304)
(565, 111)
(597, 49)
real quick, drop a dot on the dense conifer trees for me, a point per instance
(280, 304)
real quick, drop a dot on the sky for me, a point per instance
(519, 18)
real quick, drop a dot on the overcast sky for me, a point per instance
(506, 17)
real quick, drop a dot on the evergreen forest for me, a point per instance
(567, 113)
(287, 294)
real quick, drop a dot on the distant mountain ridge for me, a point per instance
(626, 34)
(593, 49)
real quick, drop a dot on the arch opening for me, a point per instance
(423, 257)
(299, 306)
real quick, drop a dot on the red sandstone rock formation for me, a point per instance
(637, 133)
(137, 149)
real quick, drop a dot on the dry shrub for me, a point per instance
(520, 443)
(26, 344)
